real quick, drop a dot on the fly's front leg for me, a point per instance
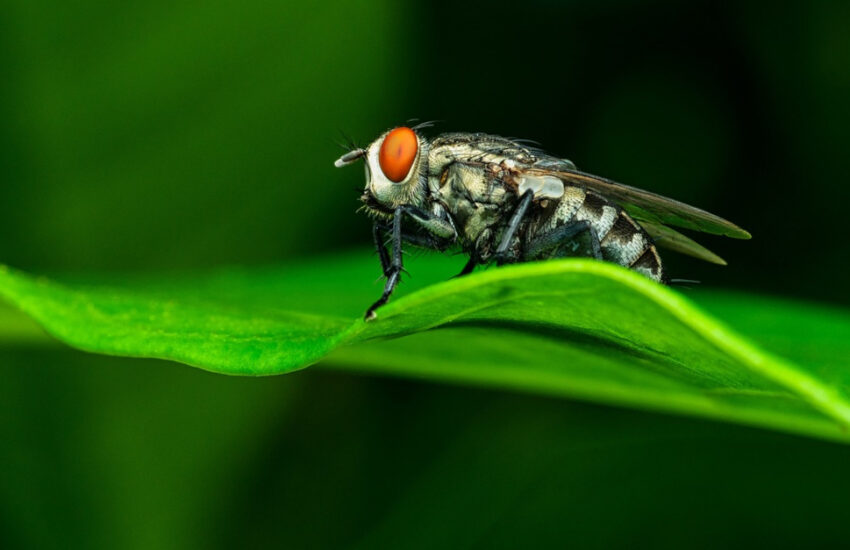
(393, 272)
(422, 240)
(440, 226)
(513, 226)
(442, 230)
(377, 236)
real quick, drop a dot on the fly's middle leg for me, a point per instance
(468, 268)
(512, 227)
(548, 241)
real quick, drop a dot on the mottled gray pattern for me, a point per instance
(476, 178)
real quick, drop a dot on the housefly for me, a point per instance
(504, 201)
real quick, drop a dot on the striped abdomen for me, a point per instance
(622, 240)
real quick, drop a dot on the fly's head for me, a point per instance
(396, 170)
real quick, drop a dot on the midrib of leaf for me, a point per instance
(824, 398)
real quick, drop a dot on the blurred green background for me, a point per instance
(159, 136)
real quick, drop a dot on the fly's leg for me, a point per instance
(416, 239)
(439, 226)
(557, 236)
(441, 233)
(377, 236)
(513, 225)
(425, 241)
(468, 268)
(394, 271)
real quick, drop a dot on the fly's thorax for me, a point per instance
(478, 202)
(477, 148)
(396, 171)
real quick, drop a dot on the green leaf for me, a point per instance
(577, 328)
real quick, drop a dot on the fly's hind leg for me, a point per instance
(548, 241)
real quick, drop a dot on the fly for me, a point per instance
(503, 201)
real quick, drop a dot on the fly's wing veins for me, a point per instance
(673, 240)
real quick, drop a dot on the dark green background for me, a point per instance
(162, 135)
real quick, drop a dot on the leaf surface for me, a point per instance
(575, 328)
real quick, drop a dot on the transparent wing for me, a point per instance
(645, 206)
(675, 241)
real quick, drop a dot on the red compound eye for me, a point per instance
(398, 153)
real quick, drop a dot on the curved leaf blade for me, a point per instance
(577, 328)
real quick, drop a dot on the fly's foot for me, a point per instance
(392, 281)
(370, 314)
